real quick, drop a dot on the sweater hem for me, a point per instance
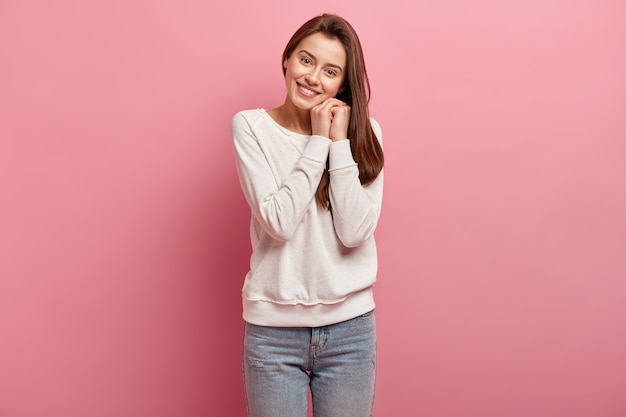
(267, 313)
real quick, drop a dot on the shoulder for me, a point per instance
(246, 118)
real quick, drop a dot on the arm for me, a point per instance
(278, 207)
(356, 208)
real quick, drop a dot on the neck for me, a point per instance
(292, 118)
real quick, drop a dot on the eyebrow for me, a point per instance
(313, 56)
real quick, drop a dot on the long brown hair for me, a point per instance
(366, 148)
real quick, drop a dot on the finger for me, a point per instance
(323, 107)
(336, 110)
(336, 102)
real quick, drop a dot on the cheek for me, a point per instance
(335, 86)
(291, 69)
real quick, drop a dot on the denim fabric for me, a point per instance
(337, 362)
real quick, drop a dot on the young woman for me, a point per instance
(311, 171)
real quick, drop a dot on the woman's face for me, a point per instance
(315, 70)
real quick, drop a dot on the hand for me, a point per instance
(330, 119)
(340, 121)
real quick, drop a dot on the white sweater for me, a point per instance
(310, 266)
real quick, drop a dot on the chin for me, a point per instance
(305, 104)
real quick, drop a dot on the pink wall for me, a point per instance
(123, 234)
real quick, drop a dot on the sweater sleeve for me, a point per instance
(356, 208)
(279, 207)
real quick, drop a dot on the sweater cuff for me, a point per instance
(317, 148)
(340, 155)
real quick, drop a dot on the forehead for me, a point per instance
(324, 48)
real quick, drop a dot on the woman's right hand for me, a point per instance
(321, 117)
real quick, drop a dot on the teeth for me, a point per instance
(307, 91)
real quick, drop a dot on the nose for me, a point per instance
(313, 77)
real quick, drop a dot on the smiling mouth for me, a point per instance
(306, 91)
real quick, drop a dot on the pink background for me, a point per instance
(123, 232)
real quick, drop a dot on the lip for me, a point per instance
(302, 92)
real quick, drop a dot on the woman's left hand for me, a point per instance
(340, 120)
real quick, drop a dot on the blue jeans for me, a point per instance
(337, 362)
